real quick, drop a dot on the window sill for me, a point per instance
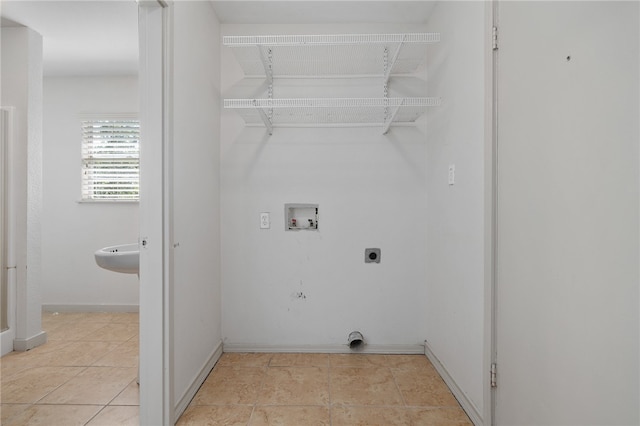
(108, 201)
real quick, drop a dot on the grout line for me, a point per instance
(398, 387)
(260, 389)
(123, 389)
(267, 405)
(253, 409)
(95, 415)
(69, 403)
(60, 385)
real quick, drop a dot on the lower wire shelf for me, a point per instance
(304, 111)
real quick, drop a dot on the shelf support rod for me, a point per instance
(393, 116)
(387, 73)
(264, 117)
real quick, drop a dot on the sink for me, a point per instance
(124, 258)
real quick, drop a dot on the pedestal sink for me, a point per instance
(124, 258)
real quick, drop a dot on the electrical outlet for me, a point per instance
(452, 174)
(265, 220)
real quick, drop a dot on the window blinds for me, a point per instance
(110, 160)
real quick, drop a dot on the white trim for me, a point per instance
(7, 222)
(367, 349)
(7, 336)
(490, 201)
(465, 402)
(89, 201)
(167, 209)
(6, 342)
(191, 391)
(21, 345)
(90, 308)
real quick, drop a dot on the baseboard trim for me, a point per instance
(367, 349)
(90, 308)
(191, 391)
(466, 404)
(6, 341)
(22, 345)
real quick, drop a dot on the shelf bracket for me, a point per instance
(393, 116)
(264, 117)
(389, 67)
(267, 62)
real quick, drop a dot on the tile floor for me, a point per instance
(56, 384)
(323, 389)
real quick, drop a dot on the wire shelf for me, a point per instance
(331, 102)
(325, 39)
(330, 55)
(331, 111)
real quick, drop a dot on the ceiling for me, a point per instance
(322, 12)
(81, 37)
(101, 37)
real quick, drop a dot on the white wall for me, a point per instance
(568, 200)
(309, 290)
(73, 231)
(455, 213)
(195, 207)
(22, 89)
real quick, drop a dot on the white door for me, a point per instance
(155, 366)
(567, 330)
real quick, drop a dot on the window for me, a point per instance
(110, 160)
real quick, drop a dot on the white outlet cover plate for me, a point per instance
(265, 220)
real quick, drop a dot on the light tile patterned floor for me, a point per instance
(85, 375)
(323, 389)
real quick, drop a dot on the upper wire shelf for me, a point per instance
(325, 39)
(330, 54)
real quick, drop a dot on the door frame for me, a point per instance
(7, 227)
(491, 209)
